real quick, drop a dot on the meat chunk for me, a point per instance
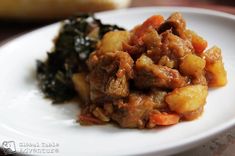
(158, 97)
(152, 41)
(199, 79)
(175, 23)
(175, 47)
(166, 46)
(149, 75)
(109, 76)
(134, 111)
(117, 86)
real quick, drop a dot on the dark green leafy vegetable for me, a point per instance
(72, 47)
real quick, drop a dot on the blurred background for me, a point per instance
(20, 16)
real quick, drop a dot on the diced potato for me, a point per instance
(215, 72)
(187, 99)
(192, 65)
(199, 44)
(193, 114)
(81, 86)
(113, 41)
(166, 61)
(143, 61)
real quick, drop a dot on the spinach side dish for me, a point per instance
(156, 74)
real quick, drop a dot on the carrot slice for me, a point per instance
(89, 120)
(154, 21)
(164, 119)
(199, 44)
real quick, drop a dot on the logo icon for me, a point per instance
(9, 147)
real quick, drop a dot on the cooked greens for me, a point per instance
(72, 47)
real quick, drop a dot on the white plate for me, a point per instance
(26, 117)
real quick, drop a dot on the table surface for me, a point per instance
(222, 145)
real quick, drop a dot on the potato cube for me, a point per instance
(193, 114)
(215, 72)
(187, 99)
(81, 86)
(192, 65)
(143, 61)
(113, 41)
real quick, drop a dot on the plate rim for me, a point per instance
(171, 147)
